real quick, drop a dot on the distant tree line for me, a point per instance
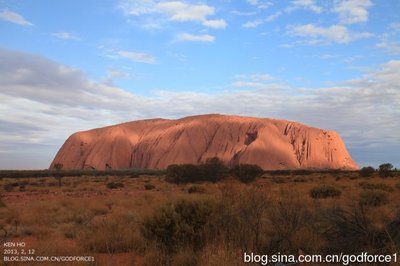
(78, 172)
(384, 170)
(213, 170)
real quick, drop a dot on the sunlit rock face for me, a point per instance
(156, 143)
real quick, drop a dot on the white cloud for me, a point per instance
(241, 13)
(253, 2)
(138, 7)
(389, 74)
(252, 24)
(261, 4)
(254, 77)
(395, 27)
(216, 23)
(287, 45)
(177, 11)
(255, 81)
(196, 38)
(274, 16)
(335, 33)
(305, 4)
(113, 74)
(389, 41)
(352, 11)
(65, 35)
(137, 57)
(14, 18)
(328, 56)
(252, 85)
(391, 46)
(258, 22)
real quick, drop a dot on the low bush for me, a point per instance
(288, 217)
(114, 185)
(373, 198)
(302, 172)
(352, 230)
(10, 186)
(278, 179)
(109, 236)
(196, 189)
(279, 172)
(386, 170)
(149, 186)
(379, 186)
(82, 217)
(179, 225)
(2, 204)
(185, 257)
(212, 170)
(325, 191)
(247, 173)
(299, 179)
(393, 228)
(367, 171)
(184, 173)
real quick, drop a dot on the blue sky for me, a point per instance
(69, 66)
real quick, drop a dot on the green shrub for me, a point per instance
(386, 170)
(367, 171)
(180, 224)
(212, 170)
(247, 173)
(379, 186)
(114, 185)
(184, 173)
(325, 191)
(373, 198)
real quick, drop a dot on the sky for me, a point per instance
(68, 66)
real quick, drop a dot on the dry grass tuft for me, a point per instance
(373, 198)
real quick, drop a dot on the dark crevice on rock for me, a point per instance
(250, 137)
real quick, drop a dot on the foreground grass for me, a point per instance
(144, 220)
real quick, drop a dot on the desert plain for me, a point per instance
(145, 219)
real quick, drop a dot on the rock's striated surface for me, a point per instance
(157, 143)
